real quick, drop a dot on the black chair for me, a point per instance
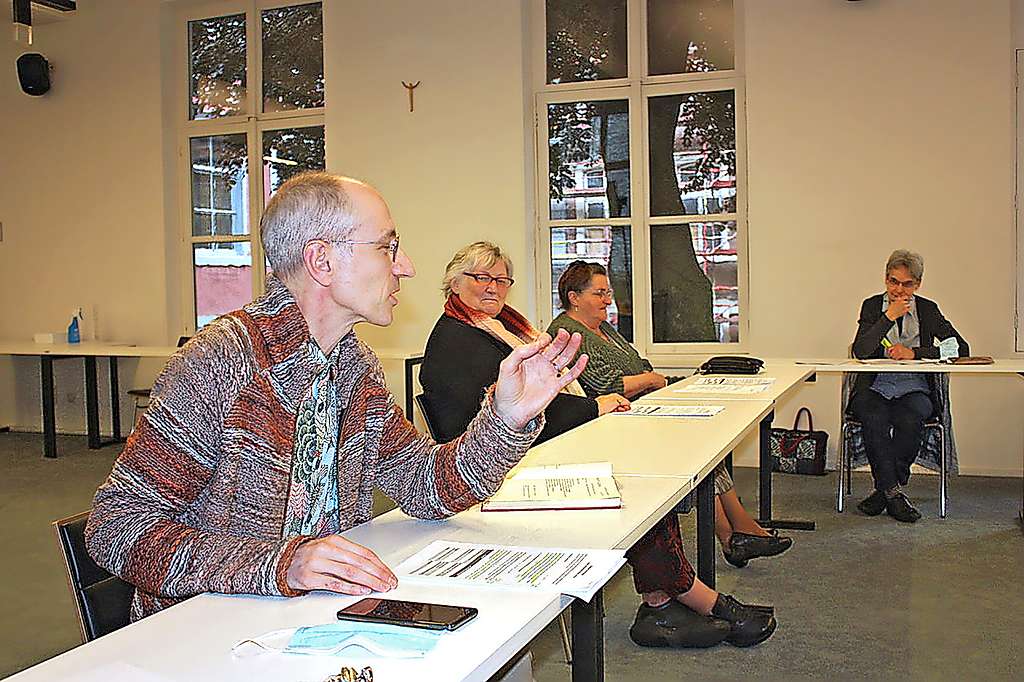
(934, 430)
(422, 404)
(141, 395)
(103, 600)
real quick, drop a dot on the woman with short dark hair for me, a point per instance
(467, 345)
(613, 365)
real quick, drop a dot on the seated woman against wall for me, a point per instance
(469, 341)
(615, 367)
(893, 406)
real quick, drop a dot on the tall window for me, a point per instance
(254, 119)
(640, 111)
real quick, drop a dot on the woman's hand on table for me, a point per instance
(613, 402)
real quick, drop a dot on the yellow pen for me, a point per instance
(886, 343)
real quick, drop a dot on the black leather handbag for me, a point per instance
(731, 364)
(799, 451)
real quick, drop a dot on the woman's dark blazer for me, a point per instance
(873, 325)
(460, 363)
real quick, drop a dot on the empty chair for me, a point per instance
(103, 600)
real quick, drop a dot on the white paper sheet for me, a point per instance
(576, 572)
(743, 389)
(647, 410)
(579, 486)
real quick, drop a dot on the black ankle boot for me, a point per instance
(674, 625)
(749, 626)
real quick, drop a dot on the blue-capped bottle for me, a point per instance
(74, 333)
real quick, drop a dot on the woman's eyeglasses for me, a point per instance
(485, 279)
(603, 293)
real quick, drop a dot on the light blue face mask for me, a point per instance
(330, 639)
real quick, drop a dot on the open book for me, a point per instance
(561, 486)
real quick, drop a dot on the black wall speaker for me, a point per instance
(34, 73)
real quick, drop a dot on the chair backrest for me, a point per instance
(182, 340)
(103, 600)
(422, 404)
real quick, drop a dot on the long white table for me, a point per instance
(193, 640)
(789, 376)
(657, 462)
(1000, 366)
(88, 351)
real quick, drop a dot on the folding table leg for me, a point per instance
(46, 392)
(588, 639)
(706, 530)
(115, 400)
(765, 497)
(92, 403)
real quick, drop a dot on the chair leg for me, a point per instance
(566, 644)
(841, 469)
(942, 472)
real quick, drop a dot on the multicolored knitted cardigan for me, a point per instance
(196, 501)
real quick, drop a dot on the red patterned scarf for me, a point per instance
(509, 327)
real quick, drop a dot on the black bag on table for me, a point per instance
(731, 364)
(799, 451)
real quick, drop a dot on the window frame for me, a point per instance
(637, 88)
(252, 124)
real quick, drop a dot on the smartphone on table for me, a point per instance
(412, 614)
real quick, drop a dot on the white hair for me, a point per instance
(911, 260)
(476, 256)
(308, 206)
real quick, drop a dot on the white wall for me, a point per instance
(453, 170)
(871, 126)
(81, 196)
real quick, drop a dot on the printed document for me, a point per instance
(573, 486)
(671, 410)
(576, 572)
(718, 384)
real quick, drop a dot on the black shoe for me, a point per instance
(750, 625)
(674, 625)
(744, 547)
(899, 508)
(873, 504)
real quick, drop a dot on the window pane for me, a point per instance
(293, 57)
(693, 153)
(222, 277)
(588, 148)
(216, 50)
(686, 36)
(288, 152)
(694, 285)
(611, 246)
(586, 40)
(220, 188)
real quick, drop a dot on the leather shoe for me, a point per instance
(749, 625)
(744, 547)
(873, 504)
(674, 625)
(900, 508)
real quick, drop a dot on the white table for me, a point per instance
(88, 351)
(789, 376)
(193, 640)
(1000, 366)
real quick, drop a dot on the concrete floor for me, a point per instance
(859, 598)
